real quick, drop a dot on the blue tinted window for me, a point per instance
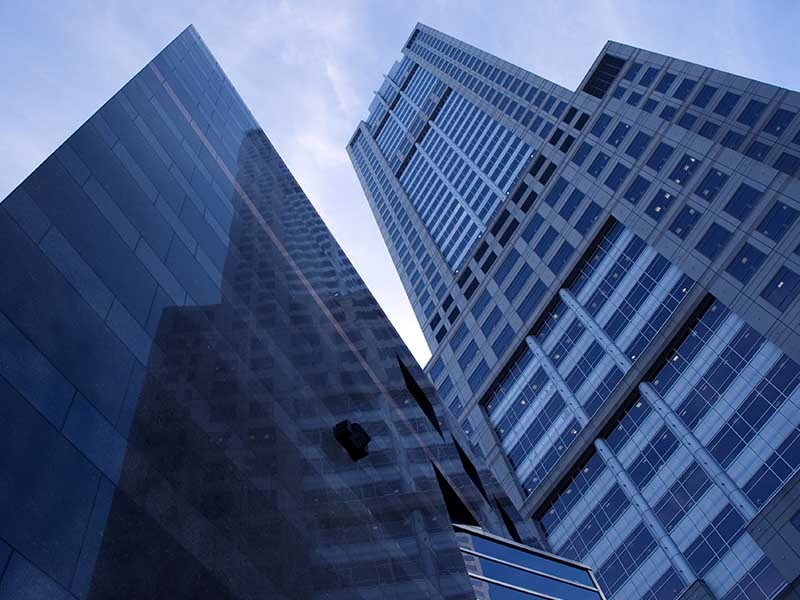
(532, 227)
(638, 144)
(733, 139)
(779, 122)
(777, 221)
(531, 300)
(636, 189)
(467, 355)
(632, 71)
(561, 257)
(619, 91)
(711, 184)
(650, 105)
(685, 221)
(752, 112)
(545, 242)
(659, 205)
(758, 150)
(742, 201)
(600, 125)
(481, 303)
(683, 89)
(726, 103)
(684, 170)
(583, 151)
(504, 269)
(665, 83)
(458, 337)
(745, 263)
(649, 76)
(617, 176)
(660, 156)
(709, 130)
(668, 113)
(571, 204)
(555, 193)
(787, 163)
(588, 218)
(704, 96)
(478, 376)
(687, 120)
(491, 321)
(518, 282)
(503, 340)
(598, 164)
(713, 241)
(634, 98)
(618, 134)
(782, 289)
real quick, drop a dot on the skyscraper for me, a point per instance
(608, 280)
(200, 397)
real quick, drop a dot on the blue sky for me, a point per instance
(308, 69)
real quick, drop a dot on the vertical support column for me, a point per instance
(594, 328)
(655, 527)
(702, 456)
(558, 381)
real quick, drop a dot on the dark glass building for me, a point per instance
(201, 398)
(608, 278)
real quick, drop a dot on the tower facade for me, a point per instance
(608, 280)
(201, 398)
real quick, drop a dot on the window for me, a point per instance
(713, 241)
(619, 92)
(634, 98)
(650, 105)
(632, 71)
(579, 124)
(726, 104)
(637, 146)
(555, 193)
(503, 340)
(618, 134)
(467, 355)
(742, 202)
(580, 155)
(659, 205)
(603, 76)
(752, 112)
(782, 290)
(478, 376)
(588, 218)
(777, 221)
(649, 76)
(567, 143)
(704, 96)
(617, 176)
(571, 204)
(758, 150)
(665, 83)
(684, 170)
(684, 88)
(683, 224)
(560, 258)
(709, 130)
(787, 163)
(745, 263)
(636, 189)
(668, 113)
(779, 122)
(687, 120)
(660, 156)
(545, 242)
(600, 125)
(711, 184)
(733, 139)
(481, 303)
(518, 282)
(504, 269)
(491, 321)
(598, 164)
(532, 227)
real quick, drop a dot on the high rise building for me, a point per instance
(201, 398)
(608, 279)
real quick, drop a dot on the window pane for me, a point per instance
(745, 263)
(713, 241)
(742, 201)
(686, 220)
(782, 289)
(777, 221)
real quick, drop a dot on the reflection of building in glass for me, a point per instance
(180, 335)
(608, 279)
(503, 570)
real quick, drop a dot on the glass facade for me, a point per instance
(183, 347)
(622, 341)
